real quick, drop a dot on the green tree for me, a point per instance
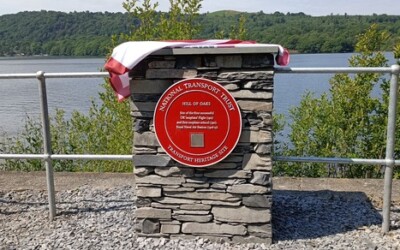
(179, 23)
(347, 122)
(145, 29)
(181, 20)
(239, 31)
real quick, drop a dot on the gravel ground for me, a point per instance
(90, 218)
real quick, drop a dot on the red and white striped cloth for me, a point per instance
(127, 55)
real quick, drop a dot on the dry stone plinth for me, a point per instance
(229, 200)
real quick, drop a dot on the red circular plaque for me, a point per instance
(197, 122)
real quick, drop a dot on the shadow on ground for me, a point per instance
(15, 202)
(96, 207)
(313, 214)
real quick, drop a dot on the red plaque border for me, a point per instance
(211, 145)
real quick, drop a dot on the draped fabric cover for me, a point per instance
(127, 55)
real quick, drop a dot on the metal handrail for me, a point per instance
(337, 160)
(389, 160)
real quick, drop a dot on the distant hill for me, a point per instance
(224, 13)
(58, 33)
(301, 32)
(89, 34)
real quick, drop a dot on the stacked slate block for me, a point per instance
(229, 201)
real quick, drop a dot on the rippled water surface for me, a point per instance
(20, 97)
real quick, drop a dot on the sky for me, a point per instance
(310, 7)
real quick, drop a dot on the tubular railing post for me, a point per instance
(390, 142)
(47, 144)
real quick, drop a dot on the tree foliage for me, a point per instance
(58, 33)
(106, 129)
(177, 24)
(348, 122)
(87, 34)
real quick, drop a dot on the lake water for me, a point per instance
(19, 98)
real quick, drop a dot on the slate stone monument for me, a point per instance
(202, 143)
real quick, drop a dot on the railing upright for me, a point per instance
(47, 144)
(390, 143)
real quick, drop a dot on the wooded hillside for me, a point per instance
(89, 34)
